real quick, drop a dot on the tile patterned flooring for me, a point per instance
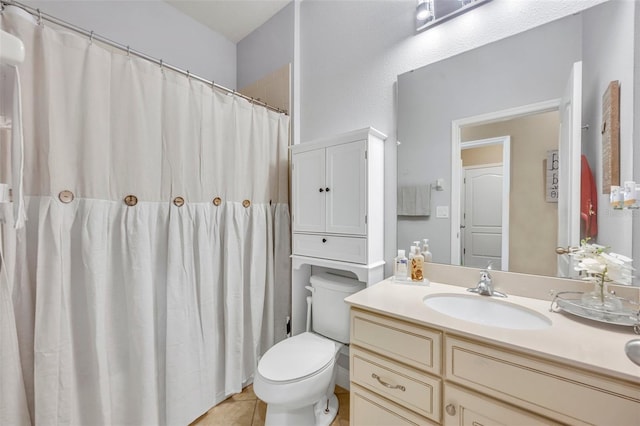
(245, 409)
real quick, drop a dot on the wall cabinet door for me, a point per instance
(308, 191)
(329, 190)
(347, 188)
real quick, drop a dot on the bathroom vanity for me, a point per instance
(410, 364)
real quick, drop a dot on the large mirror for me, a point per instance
(480, 135)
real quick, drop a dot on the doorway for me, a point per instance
(532, 222)
(484, 202)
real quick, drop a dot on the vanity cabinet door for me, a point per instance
(465, 408)
(569, 395)
(308, 191)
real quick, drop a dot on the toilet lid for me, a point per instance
(296, 357)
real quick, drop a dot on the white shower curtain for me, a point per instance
(152, 313)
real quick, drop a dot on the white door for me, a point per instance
(346, 188)
(308, 191)
(569, 169)
(482, 217)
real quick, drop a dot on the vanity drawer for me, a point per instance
(419, 347)
(541, 386)
(369, 409)
(346, 249)
(406, 386)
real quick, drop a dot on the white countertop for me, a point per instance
(570, 339)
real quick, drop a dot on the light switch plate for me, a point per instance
(442, 212)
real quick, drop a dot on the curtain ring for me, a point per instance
(39, 17)
(188, 75)
(217, 201)
(91, 38)
(246, 204)
(128, 51)
(66, 196)
(178, 201)
(131, 200)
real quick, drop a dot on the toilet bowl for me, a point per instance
(296, 377)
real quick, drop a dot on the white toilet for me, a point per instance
(296, 377)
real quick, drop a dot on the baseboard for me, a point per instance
(342, 377)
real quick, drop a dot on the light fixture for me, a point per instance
(424, 11)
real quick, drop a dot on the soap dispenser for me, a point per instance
(417, 265)
(400, 267)
(425, 251)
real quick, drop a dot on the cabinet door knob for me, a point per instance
(326, 189)
(450, 409)
(321, 190)
(324, 240)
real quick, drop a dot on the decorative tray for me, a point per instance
(571, 302)
(410, 281)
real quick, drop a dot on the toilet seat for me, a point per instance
(296, 358)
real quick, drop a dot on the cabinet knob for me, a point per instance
(450, 409)
(324, 240)
(321, 190)
(326, 189)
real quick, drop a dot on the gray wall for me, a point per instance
(267, 48)
(155, 28)
(480, 81)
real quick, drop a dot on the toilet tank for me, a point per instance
(329, 312)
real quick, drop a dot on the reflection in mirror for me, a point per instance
(433, 12)
(439, 100)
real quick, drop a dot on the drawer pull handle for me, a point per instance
(324, 240)
(321, 190)
(387, 385)
(450, 409)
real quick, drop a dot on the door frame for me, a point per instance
(456, 164)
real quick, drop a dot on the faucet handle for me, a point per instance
(485, 275)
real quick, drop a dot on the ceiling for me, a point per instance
(234, 19)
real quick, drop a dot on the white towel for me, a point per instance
(414, 200)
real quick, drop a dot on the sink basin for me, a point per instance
(632, 349)
(487, 311)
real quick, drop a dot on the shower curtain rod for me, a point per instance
(93, 36)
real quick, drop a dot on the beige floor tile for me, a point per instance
(229, 413)
(338, 390)
(342, 418)
(247, 394)
(259, 414)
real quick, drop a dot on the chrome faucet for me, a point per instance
(485, 286)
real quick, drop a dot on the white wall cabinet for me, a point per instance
(329, 189)
(337, 197)
(337, 208)
(447, 379)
